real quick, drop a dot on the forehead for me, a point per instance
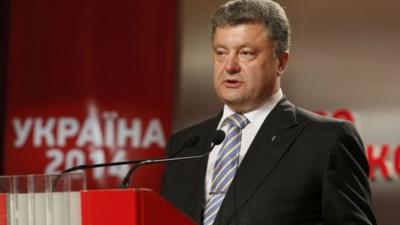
(242, 33)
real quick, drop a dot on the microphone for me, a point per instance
(190, 140)
(216, 139)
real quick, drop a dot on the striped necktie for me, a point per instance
(225, 166)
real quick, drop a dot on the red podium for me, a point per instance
(129, 207)
(94, 207)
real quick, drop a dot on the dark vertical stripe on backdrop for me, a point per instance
(4, 25)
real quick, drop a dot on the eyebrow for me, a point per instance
(244, 45)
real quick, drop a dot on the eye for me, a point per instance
(220, 53)
(247, 54)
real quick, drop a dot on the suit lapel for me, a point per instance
(278, 132)
(195, 171)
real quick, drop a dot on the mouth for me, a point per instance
(232, 83)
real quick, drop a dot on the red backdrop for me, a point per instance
(89, 82)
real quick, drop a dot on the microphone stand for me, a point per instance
(217, 139)
(125, 181)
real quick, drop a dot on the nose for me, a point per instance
(232, 65)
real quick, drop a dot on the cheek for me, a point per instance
(253, 85)
(216, 78)
(257, 81)
(218, 67)
(252, 77)
(218, 72)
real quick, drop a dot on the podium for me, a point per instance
(129, 207)
(52, 206)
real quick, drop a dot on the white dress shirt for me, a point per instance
(256, 118)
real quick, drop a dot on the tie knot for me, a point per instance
(237, 120)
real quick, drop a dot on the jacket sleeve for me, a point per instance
(346, 194)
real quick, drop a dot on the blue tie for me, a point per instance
(225, 166)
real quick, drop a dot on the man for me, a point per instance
(279, 164)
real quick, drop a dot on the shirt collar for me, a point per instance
(258, 115)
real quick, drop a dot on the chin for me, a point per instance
(231, 99)
(233, 102)
(232, 94)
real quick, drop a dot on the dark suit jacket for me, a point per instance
(313, 172)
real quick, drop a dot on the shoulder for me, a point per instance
(324, 124)
(326, 132)
(341, 136)
(320, 126)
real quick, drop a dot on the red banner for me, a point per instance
(89, 82)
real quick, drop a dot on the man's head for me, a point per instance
(250, 41)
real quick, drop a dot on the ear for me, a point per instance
(283, 61)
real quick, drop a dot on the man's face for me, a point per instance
(246, 70)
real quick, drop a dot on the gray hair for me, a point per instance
(266, 12)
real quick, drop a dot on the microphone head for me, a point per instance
(191, 140)
(217, 137)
